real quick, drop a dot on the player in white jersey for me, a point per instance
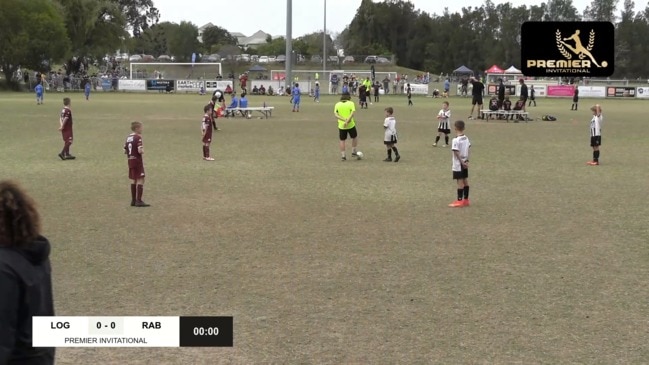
(596, 133)
(444, 126)
(461, 146)
(390, 138)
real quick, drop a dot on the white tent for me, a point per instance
(512, 70)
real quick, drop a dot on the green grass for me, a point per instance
(362, 262)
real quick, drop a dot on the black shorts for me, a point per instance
(445, 131)
(524, 98)
(459, 175)
(595, 141)
(393, 140)
(575, 99)
(344, 132)
(476, 100)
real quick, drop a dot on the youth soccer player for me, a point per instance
(409, 93)
(478, 90)
(390, 137)
(596, 133)
(134, 150)
(460, 147)
(362, 96)
(65, 126)
(575, 99)
(206, 128)
(87, 90)
(344, 112)
(316, 93)
(39, 94)
(296, 93)
(444, 126)
(243, 103)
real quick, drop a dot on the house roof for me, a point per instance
(258, 38)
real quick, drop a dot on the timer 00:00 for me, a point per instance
(209, 331)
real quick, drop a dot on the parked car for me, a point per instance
(281, 58)
(371, 59)
(382, 60)
(245, 57)
(316, 58)
(263, 59)
(135, 58)
(164, 58)
(272, 59)
(333, 59)
(349, 59)
(213, 58)
(148, 58)
(254, 58)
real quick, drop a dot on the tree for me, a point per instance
(312, 43)
(215, 37)
(560, 11)
(277, 46)
(154, 40)
(139, 14)
(601, 10)
(182, 40)
(32, 34)
(95, 27)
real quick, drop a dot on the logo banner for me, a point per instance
(592, 91)
(620, 92)
(510, 90)
(131, 85)
(211, 85)
(159, 84)
(642, 92)
(416, 89)
(561, 90)
(567, 49)
(189, 85)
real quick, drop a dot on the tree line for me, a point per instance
(489, 34)
(35, 34)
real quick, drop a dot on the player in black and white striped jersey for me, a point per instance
(596, 133)
(444, 126)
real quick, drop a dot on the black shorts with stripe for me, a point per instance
(462, 174)
(595, 141)
(445, 131)
(392, 140)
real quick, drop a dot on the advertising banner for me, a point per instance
(417, 89)
(131, 85)
(561, 90)
(189, 85)
(492, 89)
(620, 92)
(159, 84)
(642, 92)
(592, 91)
(540, 90)
(212, 85)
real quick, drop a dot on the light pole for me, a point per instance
(324, 41)
(289, 42)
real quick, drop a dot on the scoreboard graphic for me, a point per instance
(132, 331)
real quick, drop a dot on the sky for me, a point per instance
(249, 16)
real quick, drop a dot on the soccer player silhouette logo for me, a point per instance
(579, 49)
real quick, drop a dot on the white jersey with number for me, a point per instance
(445, 116)
(462, 145)
(596, 125)
(390, 125)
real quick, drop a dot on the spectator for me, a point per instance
(25, 278)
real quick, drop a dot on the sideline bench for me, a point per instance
(266, 111)
(487, 113)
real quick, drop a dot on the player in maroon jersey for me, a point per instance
(134, 151)
(206, 128)
(65, 126)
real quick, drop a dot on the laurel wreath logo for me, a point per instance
(563, 51)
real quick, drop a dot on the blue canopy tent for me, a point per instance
(463, 70)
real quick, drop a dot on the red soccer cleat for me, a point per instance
(457, 204)
(466, 202)
(592, 163)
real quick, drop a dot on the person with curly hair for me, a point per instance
(25, 278)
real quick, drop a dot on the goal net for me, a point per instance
(175, 71)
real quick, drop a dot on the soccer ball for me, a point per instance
(359, 155)
(248, 115)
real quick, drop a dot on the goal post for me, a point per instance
(174, 70)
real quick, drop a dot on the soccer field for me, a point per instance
(329, 262)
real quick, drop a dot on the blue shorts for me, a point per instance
(296, 101)
(39, 95)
